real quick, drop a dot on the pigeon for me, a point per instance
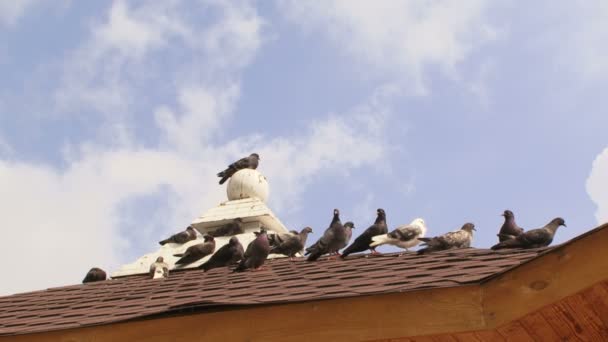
(256, 253)
(233, 228)
(348, 227)
(541, 237)
(458, 239)
(227, 255)
(250, 162)
(289, 244)
(363, 241)
(94, 274)
(159, 269)
(332, 240)
(405, 236)
(182, 237)
(196, 252)
(510, 229)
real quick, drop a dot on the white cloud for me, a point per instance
(597, 186)
(72, 215)
(11, 11)
(398, 39)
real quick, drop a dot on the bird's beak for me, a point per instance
(474, 229)
(565, 225)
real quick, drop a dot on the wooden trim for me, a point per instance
(348, 319)
(561, 272)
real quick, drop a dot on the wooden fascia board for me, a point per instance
(563, 271)
(346, 319)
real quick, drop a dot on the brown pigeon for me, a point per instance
(159, 269)
(227, 255)
(510, 229)
(94, 274)
(289, 244)
(233, 228)
(182, 237)
(256, 253)
(459, 239)
(250, 162)
(196, 252)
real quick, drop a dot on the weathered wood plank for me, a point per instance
(538, 328)
(514, 332)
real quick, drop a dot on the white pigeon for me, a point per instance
(405, 236)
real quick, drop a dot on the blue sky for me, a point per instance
(115, 117)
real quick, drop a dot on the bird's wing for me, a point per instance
(405, 233)
(536, 236)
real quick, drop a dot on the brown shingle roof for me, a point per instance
(282, 281)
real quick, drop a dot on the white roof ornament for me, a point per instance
(247, 192)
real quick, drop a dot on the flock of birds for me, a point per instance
(335, 238)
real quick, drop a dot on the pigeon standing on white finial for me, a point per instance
(405, 236)
(250, 162)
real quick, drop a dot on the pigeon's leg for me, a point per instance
(374, 252)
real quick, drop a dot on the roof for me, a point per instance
(282, 281)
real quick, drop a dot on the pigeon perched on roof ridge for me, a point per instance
(250, 162)
(348, 228)
(534, 238)
(182, 237)
(256, 253)
(363, 242)
(509, 229)
(289, 244)
(196, 252)
(333, 238)
(95, 274)
(231, 228)
(159, 269)
(405, 236)
(228, 254)
(461, 238)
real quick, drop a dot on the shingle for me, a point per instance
(282, 281)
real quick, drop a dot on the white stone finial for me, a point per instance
(247, 183)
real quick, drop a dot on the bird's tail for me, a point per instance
(314, 255)
(221, 174)
(223, 180)
(163, 242)
(379, 240)
(178, 255)
(511, 243)
(424, 251)
(240, 267)
(425, 240)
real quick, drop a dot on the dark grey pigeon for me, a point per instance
(159, 269)
(459, 239)
(289, 244)
(256, 253)
(227, 255)
(196, 252)
(182, 237)
(363, 242)
(534, 238)
(233, 228)
(332, 240)
(94, 274)
(250, 162)
(510, 229)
